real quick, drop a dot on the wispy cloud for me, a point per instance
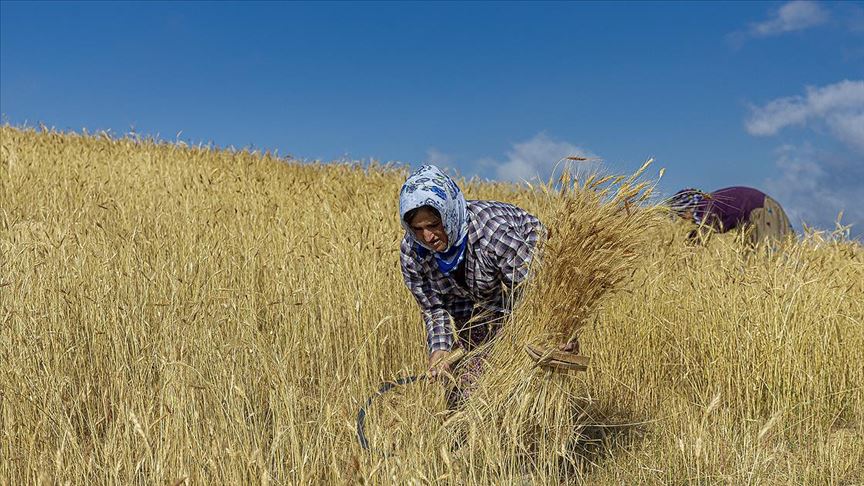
(435, 156)
(793, 16)
(814, 186)
(536, 158)
(839, 107)
(813, 183)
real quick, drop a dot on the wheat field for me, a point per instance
(172, 314)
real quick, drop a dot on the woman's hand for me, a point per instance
(571, 347)
(438, 364)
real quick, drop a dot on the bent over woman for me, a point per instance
(461, 260)
(733, 208)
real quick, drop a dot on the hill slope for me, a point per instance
(171, 312)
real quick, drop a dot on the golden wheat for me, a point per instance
(184, 314)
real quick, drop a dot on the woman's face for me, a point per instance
(429, 229)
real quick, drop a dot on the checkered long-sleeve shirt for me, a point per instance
(501, 240)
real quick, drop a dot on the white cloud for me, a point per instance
(815, 186)
(849, 128)
(536, 158)
(792, 16)
(838, 106)
(436, 157)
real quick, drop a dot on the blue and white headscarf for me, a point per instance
(429, 186)
(688, 200)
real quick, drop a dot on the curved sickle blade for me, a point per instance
(452, 359)
(385, 387)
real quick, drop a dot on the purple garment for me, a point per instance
(728, 208)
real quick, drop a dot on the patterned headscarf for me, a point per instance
(429, 186)
(688, 200)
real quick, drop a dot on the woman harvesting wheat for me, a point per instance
(462, 260)
(751, 210)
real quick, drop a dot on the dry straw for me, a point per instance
(596, 232)
(180, 314)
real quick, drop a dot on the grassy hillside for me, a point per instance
(172, 313)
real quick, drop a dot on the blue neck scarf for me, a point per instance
(449, 260)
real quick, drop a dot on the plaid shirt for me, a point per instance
(501, 238)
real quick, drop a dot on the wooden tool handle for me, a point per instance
(557, 360)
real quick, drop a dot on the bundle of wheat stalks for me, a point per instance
(188, 315)
(524, 410)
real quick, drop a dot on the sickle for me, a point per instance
(385, 387)
(451, 360)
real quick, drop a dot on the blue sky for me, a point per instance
(769, 95)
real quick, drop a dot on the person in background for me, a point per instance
(462, 260)
(732, 208)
